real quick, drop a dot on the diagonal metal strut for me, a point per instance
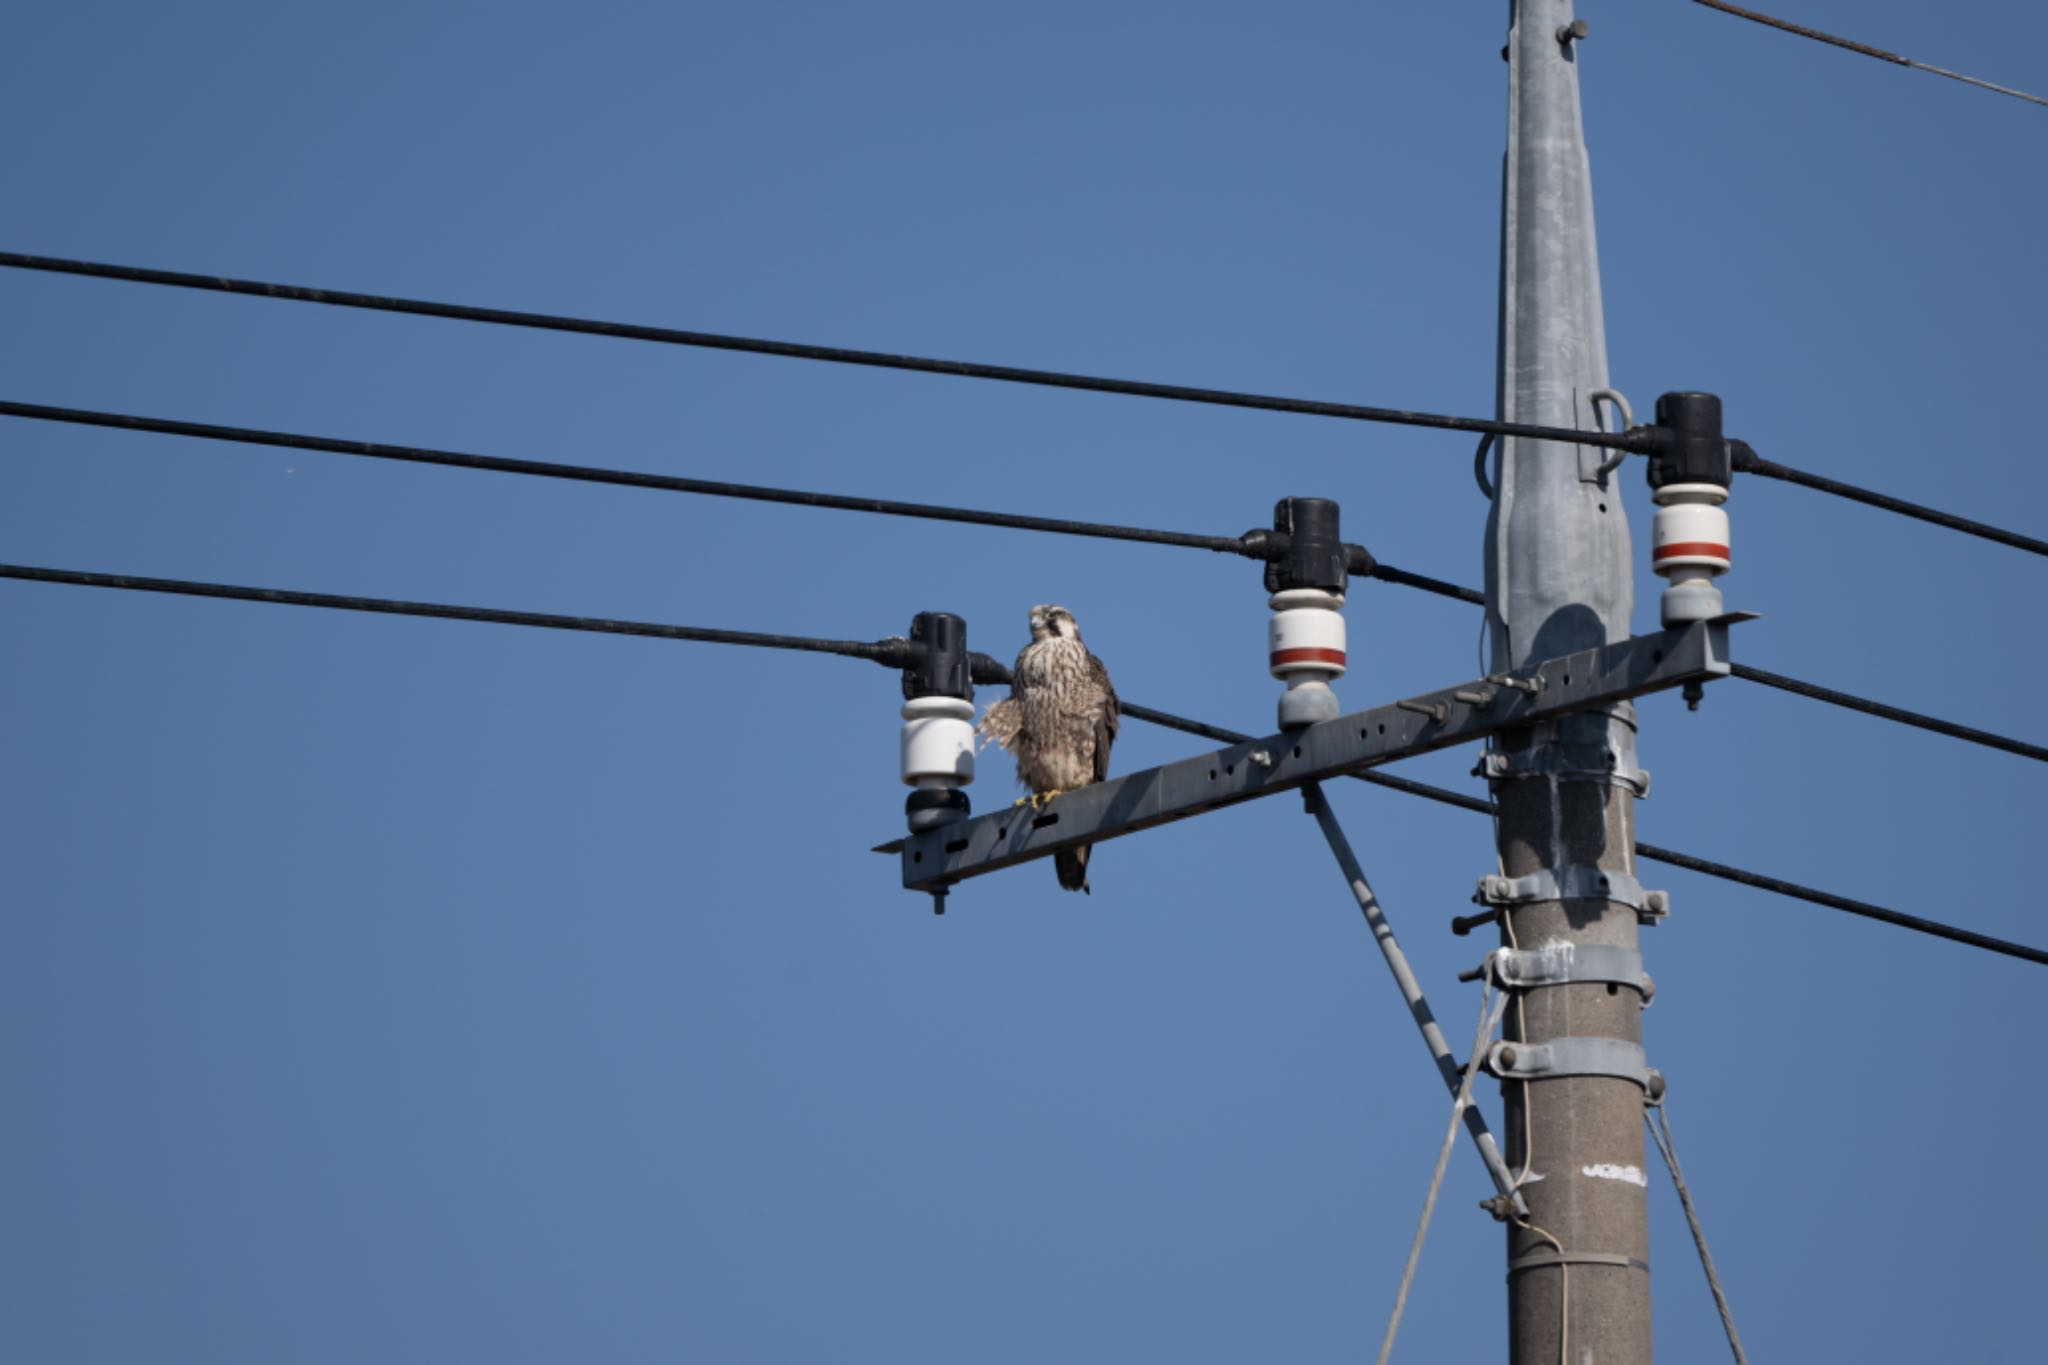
(1584, 681)
(1411, 995)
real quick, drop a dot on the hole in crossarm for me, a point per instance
(1050, 818)
(956, 846)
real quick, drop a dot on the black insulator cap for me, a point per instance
(927, 809)
(939, 663)
(1693, 449)
(1308, 549)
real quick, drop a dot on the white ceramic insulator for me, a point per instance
(1305, 638)
(1689, 534)
(938, 742)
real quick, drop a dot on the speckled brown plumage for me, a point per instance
(1058, 721)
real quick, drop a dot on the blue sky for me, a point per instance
(419, 991)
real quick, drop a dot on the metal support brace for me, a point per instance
(1572, 1057)
(1509, 1198)
(1563, 963)
(1578, 882)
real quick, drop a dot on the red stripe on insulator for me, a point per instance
(1309, 656)
(1681, 548)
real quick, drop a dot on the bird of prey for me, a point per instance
(1058, 721)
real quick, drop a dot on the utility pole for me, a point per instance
(1558, 577)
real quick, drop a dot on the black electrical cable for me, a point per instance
(890, 652)
(1637, 440)
(895, 653)
(1363, 566)
(1632, 441)
(1663, 855)
(1749, 462)
(1834, 902)
(1239, 545)
(1891, 713)
(1388, 574)
(1864, 49)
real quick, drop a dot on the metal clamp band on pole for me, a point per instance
(1536, 1260)
(1561, 1057)
(1565, 963)
(1578, 881)
(1567, 763)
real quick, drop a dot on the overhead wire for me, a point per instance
(1636, 440)
(1704, 866)
(895, 653)
(1749, 462)
(1900, 715)
(1238, 545)
(1864, 49)
(841, 355)
(890, 652)
(672, 483)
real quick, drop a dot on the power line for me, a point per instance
(1749, 462)
(1864, 49)
(895, 653)
(1638, 440)
(1843, 903)
(1848, 700)
(1891, 713)
(1386, 573)
(1363, 565)
(1687, 861)
(840, 355)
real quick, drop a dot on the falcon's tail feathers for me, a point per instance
(1072, 867)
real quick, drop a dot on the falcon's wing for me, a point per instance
(1105, 718)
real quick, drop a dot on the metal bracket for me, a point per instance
(1569, 1057)
(1566, 762)
(1578, 882)
(1564, 963)
(1587, 681)
(1535, 1260)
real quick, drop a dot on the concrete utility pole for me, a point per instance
(1558, 577)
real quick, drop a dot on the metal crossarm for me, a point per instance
(1584, 681)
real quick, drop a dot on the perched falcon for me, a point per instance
(1058, 721)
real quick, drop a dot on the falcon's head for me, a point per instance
(1049, 621)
